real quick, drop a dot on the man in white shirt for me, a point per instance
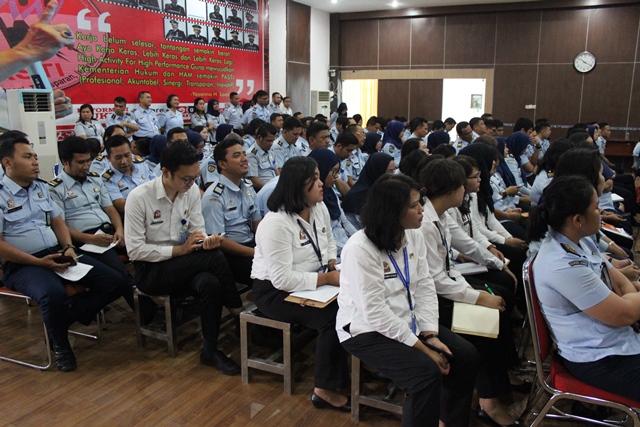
(165, 238)
(286, 106)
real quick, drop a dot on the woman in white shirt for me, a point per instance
(443, 181)
(295, 251)
(87, 127)
(388, 314)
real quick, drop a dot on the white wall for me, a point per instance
(277, 46)
(319, 59)
(456, 99)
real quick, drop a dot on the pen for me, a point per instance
(488, 289)
(78, 257)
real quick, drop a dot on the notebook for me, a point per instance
(470, 319)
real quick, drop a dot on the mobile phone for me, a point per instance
(199, 242)
(65, 259)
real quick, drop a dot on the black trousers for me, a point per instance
(429, 396)
(59, 310)
(616, 374)
(111, 259)
(515, 229)
(497, 355)
(203, 274)
(241, 266)
(331, 369)
(517, 257)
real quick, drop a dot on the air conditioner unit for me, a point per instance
(320, 102)
(32, 112)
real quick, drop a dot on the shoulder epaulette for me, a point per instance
(581, 262)
(138, 159)
(550, 174)
(93, 174)
(134, 110)
(126, 113)
(113, 116)
(99, 158)
(280, 143)
(569, 249)
(108, 174)
(55, 182)
(254, 151)
(219, 189)
(245, 137)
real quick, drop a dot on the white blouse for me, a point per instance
(284, 254)
(372, 296)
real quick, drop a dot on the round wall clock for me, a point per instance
(584, 62)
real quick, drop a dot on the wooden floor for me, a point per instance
(118, 383)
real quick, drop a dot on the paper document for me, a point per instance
(470, 268)
(88, 247)
(477, 320)
(75, 273)
(615, 230)
(322, 293)
(615, 198)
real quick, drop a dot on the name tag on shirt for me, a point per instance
(391, 276)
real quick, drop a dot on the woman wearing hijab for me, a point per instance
(372, 144)
(329, 168)
(222, 131)
(517, 144)
(156, 148)
(392, 140)
(437, 138)
(213, 110)
(377, 165)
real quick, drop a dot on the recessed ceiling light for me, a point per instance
(394, 3)
(334, 1)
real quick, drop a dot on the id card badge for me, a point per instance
(323, 269)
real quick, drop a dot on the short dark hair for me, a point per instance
(601, 125)
(409, 163)
(585, 162)
(173, 131)
(445, 150)
(120, 100)
(474, 121)
(357, 118)
(178, 154)
(564, 197)
(579, 138)
(437, 125)
(415, 123)
(143, 146)
(220, 152)
(116, 141)
(109, 131)
(498, 123)
(353, 128)
(142, 92)
(486, 140)
(523, 124)
(94, 147)
(346, 139)
(274, 116)
(553, 154)
(343, 121)
(315, 128)
(291, 123)
(253, 126)
(461, 126)
(8, 141)
(388, 200)
(275, 93)
(409, 146)
(266, 129)
(292, 184)
(260, 94)
(169, 98)
(286, 97)
(540, 126)
(449, 121)
(72, 145)
(232, 94)
(82, 107)
(373, 120)
(486, 115)
(440, 177)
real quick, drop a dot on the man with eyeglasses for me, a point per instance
(166, 240)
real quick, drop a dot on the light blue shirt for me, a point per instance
(209, 170)
(115, 119)
(568, 281)
(233, 115)
(542, 180)
(283, 151)
(147, 122)
(100, 164)
(393, 151)
(120, 185)
(262, 164)
(81, 203)
(26, 216)
(459, 144)
(357, 163)
(256, 112)
(169, 120)
(230, 209)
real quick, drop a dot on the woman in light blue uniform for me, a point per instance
(392, 140)
(592, 320)
(172, 117)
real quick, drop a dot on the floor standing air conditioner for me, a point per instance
(320, 102)
(32, 112)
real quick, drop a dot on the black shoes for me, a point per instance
(62, 354)
(320, 403)
(221, 362)
(524, 388)
(485, 418)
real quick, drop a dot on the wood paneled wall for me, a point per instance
(298, 55)
(531, 52)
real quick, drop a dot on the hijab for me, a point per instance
(375, 167)
(326, 160)
(484, 155)
(505, 172)
(592, 131)
(437, 138)
(195, 139)
(211, 110)
(222, 131)
(518, 142)
(370, 142)
(392, 134)
(156, 148)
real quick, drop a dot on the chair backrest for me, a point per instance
(542, 343)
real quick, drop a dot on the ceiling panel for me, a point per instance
(346, 6)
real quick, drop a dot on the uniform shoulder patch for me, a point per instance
(245, 137)
(280, 143)
(211, 167)
(99, 158)
(134, 110)
(392, 149)
(219, 189)
(254, 151)
(93, 174)
(574, 263)
(113, 116)
(138, 159)
(55, 182)
(348, 162)
(550, 174)
(108, 174)
(569, 249)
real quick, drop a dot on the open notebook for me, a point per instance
(477, 320)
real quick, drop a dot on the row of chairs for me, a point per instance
(552, 379)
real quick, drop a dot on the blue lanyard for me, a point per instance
(406, 280)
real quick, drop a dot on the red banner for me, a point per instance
(190, 48)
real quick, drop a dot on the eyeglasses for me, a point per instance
(188, 179)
